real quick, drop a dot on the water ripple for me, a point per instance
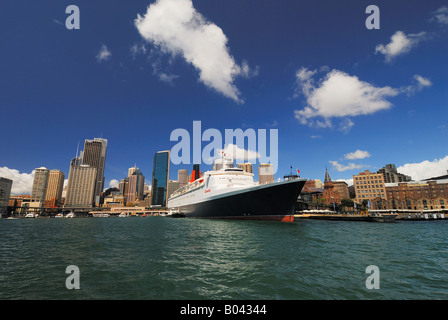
(161, 258)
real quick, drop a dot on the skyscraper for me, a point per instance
(55, 185)
(5, 191)
(246, 167)
(160, 176)
(81, 184)
(182, 177)
(391, 175)
(136, 183)
(40, 183)
(265, 173)
(94, 155)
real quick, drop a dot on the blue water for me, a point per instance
(177, 259)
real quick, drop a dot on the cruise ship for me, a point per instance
(231, 193)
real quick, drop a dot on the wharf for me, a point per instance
(348, 217)
(422, 217)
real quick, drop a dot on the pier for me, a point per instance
(375, 215)
(348, 217)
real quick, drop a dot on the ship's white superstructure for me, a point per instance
(212, 184)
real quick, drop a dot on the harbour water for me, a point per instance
(160, 258)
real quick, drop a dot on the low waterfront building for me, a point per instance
(114, 200)
(414, 195)
(341, 187)
(417, 189)
(330, 195)
(369, 186)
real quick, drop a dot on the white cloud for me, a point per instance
(348, 181)
(425, 169)
(113, 183)
(168, 78)
(346, 125)
(22, 182)
(137, 49)
(441, 15)
(237, 153)
(178, 29)
(104, 54)
(358, 154)
(339, 94)
(400, 43)
(350, 166)
(420, 83)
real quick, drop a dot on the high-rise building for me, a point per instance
(391, 175)
(265, 173)
(172, 186)
(123, 186)
(369, 185)
(94, 155)
(5, 191)
(81, 184)
(40, 183)
(160, 178)
(55, 185)
(246, 167)
(182, 177)
(136, 183)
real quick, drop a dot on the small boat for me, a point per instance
(31, 215)
(70, 215)
(59, 215)
(123, 214)
(144, 215)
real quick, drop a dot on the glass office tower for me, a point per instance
(160, 176)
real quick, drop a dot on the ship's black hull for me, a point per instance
(274, 201)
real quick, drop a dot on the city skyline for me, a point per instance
(128, 78)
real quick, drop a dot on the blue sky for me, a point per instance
(341, 96)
